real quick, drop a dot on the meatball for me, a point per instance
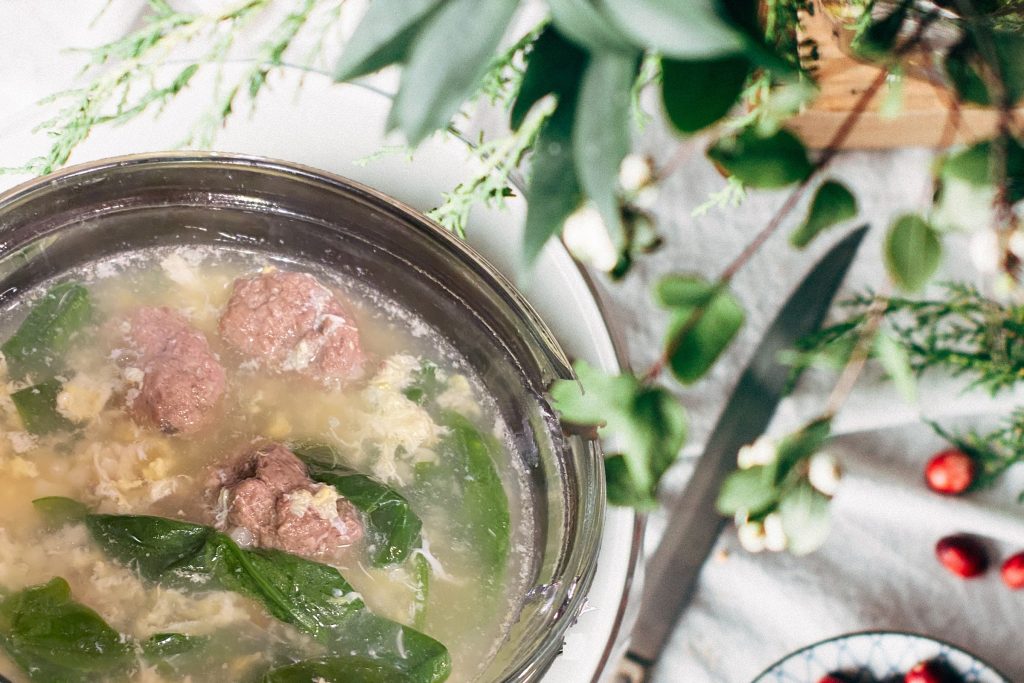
(272, 503)
(289, 322)
(182, 381)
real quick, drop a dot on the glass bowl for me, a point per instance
(100, 209)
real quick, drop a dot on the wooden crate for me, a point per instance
(920, 123)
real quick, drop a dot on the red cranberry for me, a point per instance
(1013, 571)
(932, 672)
(950, 472)
(832, 678)
(963, 555)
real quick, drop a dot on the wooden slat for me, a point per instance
(921, 122)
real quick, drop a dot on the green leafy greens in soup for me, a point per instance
(212, 469)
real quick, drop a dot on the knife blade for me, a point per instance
(693, 522)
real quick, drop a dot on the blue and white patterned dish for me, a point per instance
(879, 655)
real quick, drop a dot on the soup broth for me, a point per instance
(407, 451)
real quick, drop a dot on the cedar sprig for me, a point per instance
(964, 333)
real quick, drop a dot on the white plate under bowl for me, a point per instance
(882, 654)
(334, 127)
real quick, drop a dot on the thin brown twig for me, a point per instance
(954, 119)
(683, 151)
(858, 358)
(827, 155)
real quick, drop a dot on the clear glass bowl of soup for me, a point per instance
(445, 340)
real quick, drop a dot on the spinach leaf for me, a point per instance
(180, 657)
(313, 597)
(37, 407)
(361, 669)
(57, 511)
(160, 646)
(57, 640)
(306, 594)
(466, 472)
(421, 579)
(46, 332)
(156, 547)
(424, 385)
(383, 650)
(392, 528)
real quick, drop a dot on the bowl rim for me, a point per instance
(879, 632)
(576, 600)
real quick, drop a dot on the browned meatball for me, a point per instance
(182, 381)
(291, 323)
(272, 503)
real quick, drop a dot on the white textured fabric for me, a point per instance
(877, 570)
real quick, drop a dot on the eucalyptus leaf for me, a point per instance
(896, 361)
(969, 86)
(648, 423)
(879, 36)
(46, 333)
(447, 62)
(912, 252)
(621, 487)
(383, 36)
(974, 166)
(700, 333)
(695, 29)
(596, 399)
(764, 162)
(696, 93)
(37, 408)
(653, 437)
(601, 133)
(966, 62)
(798, 447)
(805, 518)
(554, 67)
(832, 204)
(685, 291)
(589, 27)
(554, 190)
(749, 492)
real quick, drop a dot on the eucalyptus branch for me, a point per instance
(828, 154)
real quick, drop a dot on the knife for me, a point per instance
(693, 522)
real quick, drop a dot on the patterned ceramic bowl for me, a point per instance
(875, 656)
